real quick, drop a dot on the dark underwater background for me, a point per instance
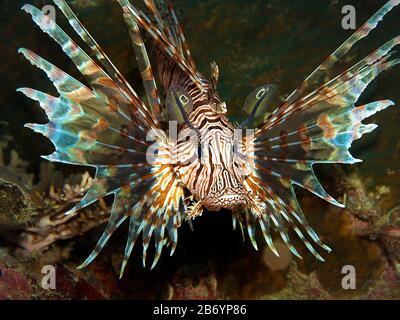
(254, 43)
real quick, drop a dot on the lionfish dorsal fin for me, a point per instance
(168, 38)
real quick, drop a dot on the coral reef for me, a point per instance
(373, 216)
(34, 218)
(193, 284)
(301, 287)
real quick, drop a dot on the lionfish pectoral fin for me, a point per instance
(309, 128)
(117, 77)
(237, 218)
(279, 212)
(156, 214)
(106, 126)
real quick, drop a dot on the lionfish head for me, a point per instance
(225, 193)
(215, 149)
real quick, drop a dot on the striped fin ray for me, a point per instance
(181, 36)
(102, 127)
(103, 86)
(171, 29)
(347, 80)
(151, 213)
(163, 43)
(286, 204)
(265, 229)
(96, 49)
(154, 214)
(323, 131)
(281, 212)
(145, 68)
(82, 127)
(341, 51)
(251, 222)
(237, 218)
(119, 213)
(152, 8)
(315, 128)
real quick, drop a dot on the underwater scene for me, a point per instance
(199, 149)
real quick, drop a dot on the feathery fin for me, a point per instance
(105, 126)
(309, 128)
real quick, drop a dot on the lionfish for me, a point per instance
(167, 157)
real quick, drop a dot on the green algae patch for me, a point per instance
(15, 206)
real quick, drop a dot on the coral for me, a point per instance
(15, 207)
(51, 223)
(300, 287)
(17, 201)
(371, 217)
(13, 285)
(21, 276)
(383, 288)
(34, 218)
(184, 285)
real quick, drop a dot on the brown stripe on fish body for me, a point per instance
(170, 74)
(216, 134)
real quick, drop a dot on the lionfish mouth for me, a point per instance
(230, 201)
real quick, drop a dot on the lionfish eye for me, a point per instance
(260, 93)
(184, 99)
(257, 103)
(178, 104)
